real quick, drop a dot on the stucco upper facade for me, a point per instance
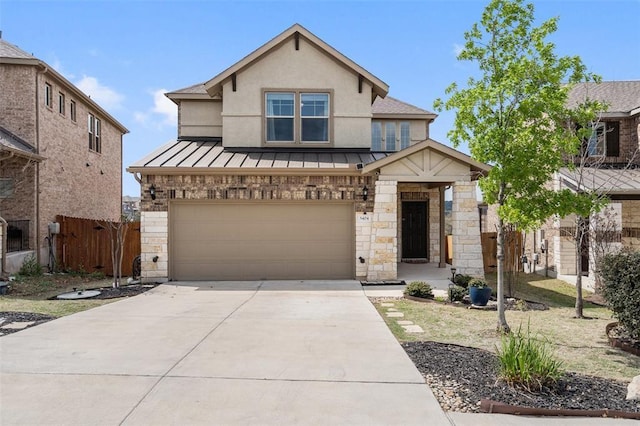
(76, 176)
(262, 191)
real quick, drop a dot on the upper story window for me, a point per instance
(48, 93)
(72, 110)
(61, 103)
(314, 117)
(93, 124)
(297, 117)
(604, 140)
(280, 117)
(390, 135)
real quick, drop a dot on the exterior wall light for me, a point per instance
(365, 193)
(453, 275)
(152, 192)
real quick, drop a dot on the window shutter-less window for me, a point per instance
(613, 139)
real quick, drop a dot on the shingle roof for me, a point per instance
(195, 89)
(391, 105)
(8, 50)
(622, 96)
(210, 154)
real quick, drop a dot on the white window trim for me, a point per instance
(397, 134)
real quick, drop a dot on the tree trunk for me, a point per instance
(502, 320)
(578, 240)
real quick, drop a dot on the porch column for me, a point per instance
(383, 249)
(154, 242)
(467, 248)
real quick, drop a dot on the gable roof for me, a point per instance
(214, 85)
(12, 54)
(623, 97)
(475, 166)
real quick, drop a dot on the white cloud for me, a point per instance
(103, 95)
(56, 64)
(163, 112)
(457, 49)
(165, 107)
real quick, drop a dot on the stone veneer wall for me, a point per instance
(248, 187)
(631, 223)
(155, 221)
(383, 248)
(467, 248)
(154, 234)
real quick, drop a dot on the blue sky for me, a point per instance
(126, 54)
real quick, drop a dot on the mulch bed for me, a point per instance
(461, 377)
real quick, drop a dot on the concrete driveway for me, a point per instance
(216, 353)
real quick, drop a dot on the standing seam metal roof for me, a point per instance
(212, 155)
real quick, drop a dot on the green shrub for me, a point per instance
(478, 282)
(462, 280)
(620, 275)
(527, 362)
(457, 293)
(30, 267)
(419, 289)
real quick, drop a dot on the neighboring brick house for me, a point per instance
(60, 153)
(295, 164)
(614, 170)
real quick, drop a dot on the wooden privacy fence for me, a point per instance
(85, 245)
(512, 251)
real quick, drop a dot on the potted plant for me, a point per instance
(479, 292)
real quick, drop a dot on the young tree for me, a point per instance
(117, 236)
(511, 115)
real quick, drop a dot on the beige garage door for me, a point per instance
(251, 241)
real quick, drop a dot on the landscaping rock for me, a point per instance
(633, 390)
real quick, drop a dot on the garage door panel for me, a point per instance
(261, 241)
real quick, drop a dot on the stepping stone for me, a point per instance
(18, 325)
(413, 328)
(392, 310)
(404, 322)
(395, 314)
(386, 304)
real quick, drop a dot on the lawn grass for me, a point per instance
(581, 344)
(31, 294)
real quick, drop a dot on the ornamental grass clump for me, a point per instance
(527, 362)
(419, 289)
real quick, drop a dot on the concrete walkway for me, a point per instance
(282, 353)
(224, 353)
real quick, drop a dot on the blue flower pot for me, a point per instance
(480, 296)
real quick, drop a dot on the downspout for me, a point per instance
(37, 179)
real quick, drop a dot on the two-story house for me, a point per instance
(610, 161)
(294, 163)
(60, 154)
